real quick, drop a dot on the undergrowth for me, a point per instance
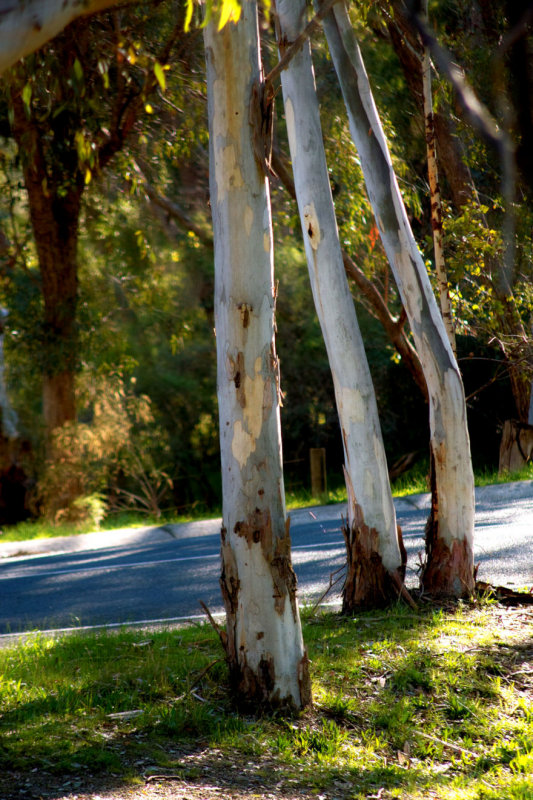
(412, 705)
(413, 482)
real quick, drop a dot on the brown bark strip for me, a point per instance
(408, 48)
(368, 583)
(261, 118)
(435, 198)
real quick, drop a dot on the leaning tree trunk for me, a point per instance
(449, 568)
(264, 647)
(374, 570)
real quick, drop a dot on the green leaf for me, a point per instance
(26, 96)
(188, 15)
(78, 70)
(160, 75)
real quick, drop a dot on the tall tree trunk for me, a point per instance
(449, 568)
(375, 302)
(264, 647)
(55, 228)
(54, 212)
(375, 569)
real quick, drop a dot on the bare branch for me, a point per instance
(172, 208)
(291, 48)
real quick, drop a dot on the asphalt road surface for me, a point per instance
(161, 574)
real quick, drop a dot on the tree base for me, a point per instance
(447, 572)
(258, 661)
(368, 583)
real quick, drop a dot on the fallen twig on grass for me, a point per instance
(450, 745)
(219, 631)
(330, 586)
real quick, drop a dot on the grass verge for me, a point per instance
(414, 482)
(433, 704)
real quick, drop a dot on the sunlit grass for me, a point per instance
(430, 704)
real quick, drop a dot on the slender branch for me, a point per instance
(292, 48)
(172, 208)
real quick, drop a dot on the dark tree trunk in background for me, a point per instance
(56, 234)
(54, 211)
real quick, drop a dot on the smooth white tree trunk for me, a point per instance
(26, 25)
(449, 568)
(267, 660)
(375, 569)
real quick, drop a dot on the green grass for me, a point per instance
(413, 482)
(434, 704)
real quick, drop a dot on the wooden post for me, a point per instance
(317, 460)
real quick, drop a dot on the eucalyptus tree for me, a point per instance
(263, 640)
(373, 544)
(449, 568)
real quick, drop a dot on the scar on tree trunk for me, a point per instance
(447, 571)
(252, 688)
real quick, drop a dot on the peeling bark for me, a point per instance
(263, 641)
(368, 583)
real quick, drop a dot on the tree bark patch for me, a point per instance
(368, 583)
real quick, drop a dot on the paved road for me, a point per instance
(163, 573)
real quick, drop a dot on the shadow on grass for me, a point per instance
(379, 680)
